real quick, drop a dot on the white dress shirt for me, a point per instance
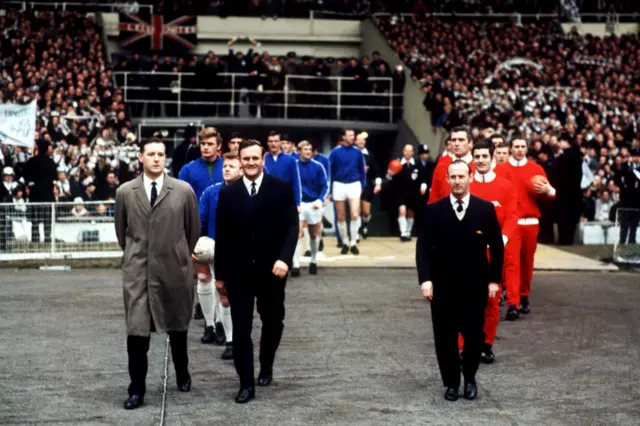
(248, 183)
(147, 184)
(465, 205)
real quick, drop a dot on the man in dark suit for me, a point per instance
(457, 277)
(256, 235)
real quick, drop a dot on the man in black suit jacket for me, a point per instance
(457, 277)
(256, 236)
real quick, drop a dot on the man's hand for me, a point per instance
(299, 209)
(316, 205)
(280, 269)
(377, 189)
(493, 290)
(427, 290)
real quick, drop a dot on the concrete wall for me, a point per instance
(600, 30)
(417, 120)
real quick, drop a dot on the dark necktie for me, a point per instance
(253, 189)
(459, 208)
(154, 193)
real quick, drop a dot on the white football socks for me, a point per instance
(354, 226)
(226, 322)
(342, 228)
(206, 293)
(409, 226)
(314, 248)
(296, 255)
(402, 223)
(307, 238)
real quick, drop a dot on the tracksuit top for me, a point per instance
(347, 165)
(208, 204)
(315, 185)
(285, 167)
(196, 174)
(520, 173)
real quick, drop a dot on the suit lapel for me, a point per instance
(166, 187)
(138, 188)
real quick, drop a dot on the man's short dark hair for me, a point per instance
(344, 131)
(235, 135)
(246, 143)
(518, 137)
(459, 161)
(146, 142)
(273, 133)
(460, 129)
(483, 144)
(496, 136)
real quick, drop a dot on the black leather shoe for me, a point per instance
(512, 313)
(451, 394)
(228, 352)
(487, 356)
(185, 385)
(470, 391)
(525, 307)
(307, 253)
(245, 395)
(221, 338)
(313, 269)
(354, 250)
(265, 379)
(134, 401)
(209, 336)
(345, 249)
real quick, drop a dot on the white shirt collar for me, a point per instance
(258, 181)
(147, 184)
(516, 163)
(465, 205)
(484, 178)
(411, 161)
(365, 151)
(276, 156)
(467, 158)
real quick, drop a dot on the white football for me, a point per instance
(205, 248)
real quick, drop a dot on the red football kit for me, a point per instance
(500, 192)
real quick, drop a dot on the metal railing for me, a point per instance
(520, 17)
(259, 96)
(80, 6)
(63, 230)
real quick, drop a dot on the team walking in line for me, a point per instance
(257, 210)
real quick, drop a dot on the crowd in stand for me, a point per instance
(363, 96)
(581, 89)
(57, 59)
(566, 88)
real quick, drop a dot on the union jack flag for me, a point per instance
(179, 34)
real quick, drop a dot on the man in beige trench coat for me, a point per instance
(157, 223)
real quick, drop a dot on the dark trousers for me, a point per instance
(40, 214)
(268, 293)
(451, 316)
(566, 231)
(629, 220)
(137, 349)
